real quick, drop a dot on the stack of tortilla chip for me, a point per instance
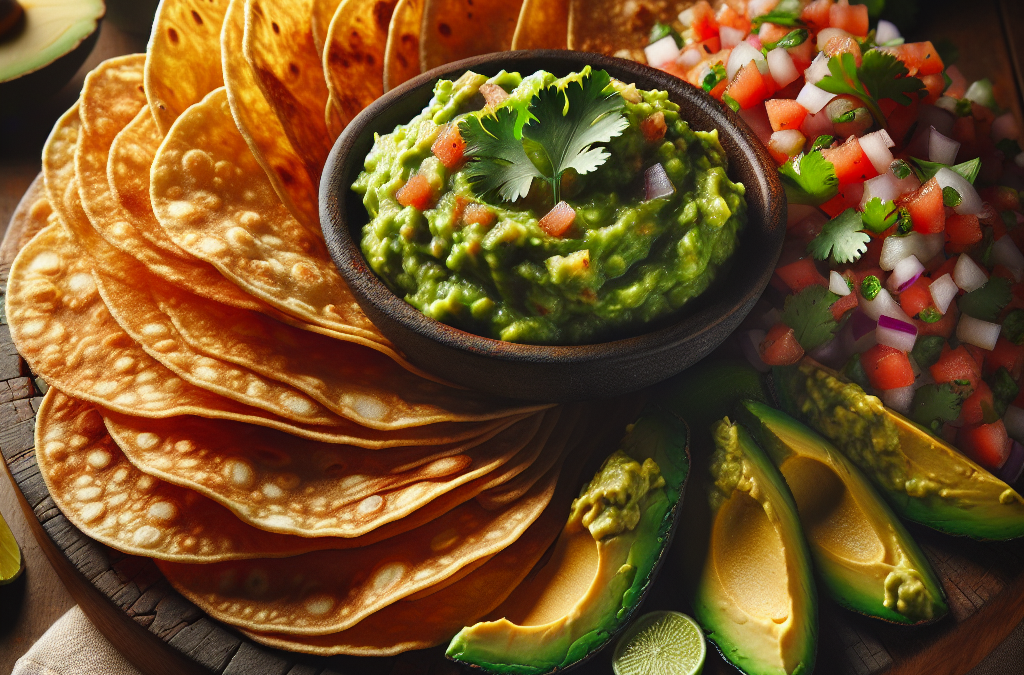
(217, 400)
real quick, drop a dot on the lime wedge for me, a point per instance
(10, 554)
(660, 643)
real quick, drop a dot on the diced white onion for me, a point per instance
(884, 186)
(977, 332)
(826, 34)
(756, 8)
(1005, 126)
(750, 343)
(837, 284)
(876, 146)
(900, 399)
(781, 66)
(730, 36)
(741, 55)
(812, 98)
(908, 184)
(980, 92)
(686, 17)
(970, 201)
(690, 57)
(1014, 421)
(967, 275)
(924, 246)
(947, 103)
(661, 51)
(817, 70)
(1006, 253)
(904, 274)
(886, 32)
(943, 290)
(942, 149)
(657, 183)
(883, 304)
(788, 142)
(896, 333)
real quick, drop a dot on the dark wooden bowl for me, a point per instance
(558, 373)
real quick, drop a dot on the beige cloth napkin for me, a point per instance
(73, 646)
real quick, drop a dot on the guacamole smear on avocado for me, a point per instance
(548, 211)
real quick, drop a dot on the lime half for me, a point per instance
(10, 554)
(660, 643)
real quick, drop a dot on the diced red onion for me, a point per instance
(886, 32)
(924, 246)
(661, 51)
(756, 118)
(1014, 465)
(689, 58)
(1006, 253)
(943, 290)
(884, 186)
(812, 98)
(970, 201)
(899, 399)
(1014, 422)
(750, 344)
(876, 146)
(906, 272)
(932, 116)
(977, 332)
(817, 70)
(942, 149)
(896, 333)
(741, 55)
(781, 66)
(657, 183)
(730, 36)
(861, 324)
(967, 275)
(1005, 126)
(826, 34)
(837, 284)
(883, 303)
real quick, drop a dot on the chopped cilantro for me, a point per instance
(731, 102)
(848, 116)
(842, 237)
(661, 30)
(1009, 147)
(854, 371)
(712, 79)
(925, 170)
(879, 76)
(879, 216)
(778, 17)
(809, 179)
(963, 107)
(567, 121)
(870, 287)
(822, 141)
(935, 404)
(985, 247)
(927, 350)
(1004, 390)
(808, 314)
(1009, 218)
(986, 302)
(1013, 327)
(929, 315)
(904, 223)
(900, 169)
(793, 38)
(950, 197)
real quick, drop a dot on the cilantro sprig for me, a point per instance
(842, 237)
(925, 170)
(566, 124)
(809, 179)
(808, 313)
(879, 215)
(880, 75)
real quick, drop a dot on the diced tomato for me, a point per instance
(956, 364)
(1006, 355)
(945, 268)
(986, 444)
(852, 165)
(704, 25)
(727, 16)
(748, 88)
(449, 146)
(926, 209)
(944, 327)
(478, 214)
(801, 274)
(933, 84)
(494, 94)
(1001, 198)
(780, 346)
(848, 197)
(653, 127)
(851, 18)
(843, 305)
(772, 32)
(558, 220)
(817, 13)
(957, 83)
(920, 58)
(978, 354)
(900, 121)
(785, 114)
(962, 231)
(842, 44)
(973, 411)
(916, 299)
(964, 133)
(417, 193)
(887, 368)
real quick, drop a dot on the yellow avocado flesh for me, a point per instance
(560, 585)
(52, 28)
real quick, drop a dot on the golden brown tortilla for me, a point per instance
(402, 53)
(618, 28)
(354, 54)
(543, 24)
(457, 29)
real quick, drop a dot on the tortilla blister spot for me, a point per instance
(182, 55)
(457, 29)
(353, 56)
(228, 466)
(402, 52)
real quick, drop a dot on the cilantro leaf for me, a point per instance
(842, 237)
(927, 350)
(660, 30)
(1004, 390)
(808, 314)
(822, 141)
(570, 120)
(715, 77)
(1013, 327)
(731, 102)
(986, 302)
(879, 76)
(879, 216)
(778, 17)
(900, 169)
(936, 403)
(793, 38)
(925, 170)
(809, 179)
(502, 166)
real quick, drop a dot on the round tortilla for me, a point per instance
(354, 54)
(617, 28)
(543, 24)
(321, 14)
(402, 52)
(457, 29)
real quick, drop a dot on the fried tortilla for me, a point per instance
(543, 24)
(321, 14)
(32, 214)
(354, 54)
(617, 28)
(458, 29)
(181, 60)
(402, 52)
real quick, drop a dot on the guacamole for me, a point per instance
(482, 259)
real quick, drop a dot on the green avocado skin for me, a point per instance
(778, 434)
(657, 435)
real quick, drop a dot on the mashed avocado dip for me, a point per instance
(516, 208)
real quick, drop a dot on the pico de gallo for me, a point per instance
(902, 265)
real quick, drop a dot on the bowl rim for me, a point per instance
(689, 326)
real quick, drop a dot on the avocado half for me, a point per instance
(923, 478)
(601, 566)
(863, 555)
(42, 51)
(756, 599)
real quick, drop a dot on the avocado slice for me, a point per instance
(756, 599)
(923, 478)
(602, 564)
(10, 555)
(862, 553)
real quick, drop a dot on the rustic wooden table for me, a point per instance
(988, 33)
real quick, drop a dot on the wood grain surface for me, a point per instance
(163, 633)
